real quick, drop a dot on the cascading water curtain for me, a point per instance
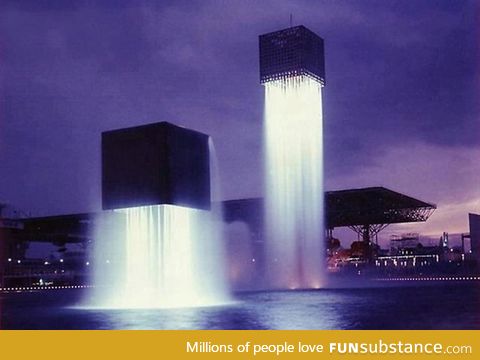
(160, 256)
(294, 183)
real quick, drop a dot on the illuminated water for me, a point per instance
(171, 258)
(159, 256)
(294, 182)
(440, 307)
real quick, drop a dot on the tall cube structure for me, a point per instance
(155, 164)
(293, 74)
(291, 52)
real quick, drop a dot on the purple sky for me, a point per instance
(401, 102)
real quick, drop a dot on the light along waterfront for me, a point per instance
(41, 288)
(447, 278)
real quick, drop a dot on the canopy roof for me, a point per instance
(373, 205)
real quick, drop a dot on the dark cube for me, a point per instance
(155, 164)
(291, 52)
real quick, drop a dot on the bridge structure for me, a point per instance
(366, 211)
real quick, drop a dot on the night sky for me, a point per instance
(401, 103)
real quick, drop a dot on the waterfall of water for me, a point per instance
(160, 256)
(294, 183)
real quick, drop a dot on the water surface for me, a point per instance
(452, 306)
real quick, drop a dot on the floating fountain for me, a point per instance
(159, 242)
(292, 71)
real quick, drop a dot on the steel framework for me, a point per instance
(368, 211)
(291, 52)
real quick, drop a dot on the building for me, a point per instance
(474, 221)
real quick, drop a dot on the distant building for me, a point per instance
(404, 243)
(474, 221)
(444, 241)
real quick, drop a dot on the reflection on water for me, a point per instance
(440, 307)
